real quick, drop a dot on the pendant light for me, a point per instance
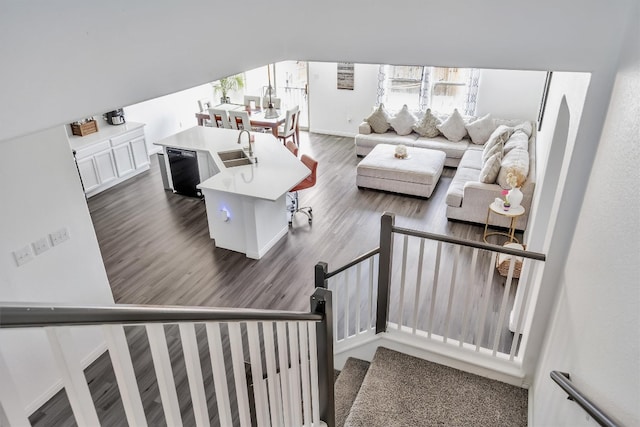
(270, 112)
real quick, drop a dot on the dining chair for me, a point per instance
(204, 104)
(290, 126)
(292, 147)
(308, 182)
(220, 118)
(239, 120)
(256, 99)
(277, 102)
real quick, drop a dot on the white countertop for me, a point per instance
(105, 131)
(276, 172)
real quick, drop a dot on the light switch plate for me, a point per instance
(40, 245)
(23, 255)
(59, 236)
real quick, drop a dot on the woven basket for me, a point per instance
(503, 261)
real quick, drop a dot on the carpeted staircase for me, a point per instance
(401, 390)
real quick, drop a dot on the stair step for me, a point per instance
(401, 390)
(347, 386)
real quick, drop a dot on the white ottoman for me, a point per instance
(416, 175)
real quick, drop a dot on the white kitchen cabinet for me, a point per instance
(140, 153)
(89, 173)
(110, 156)
(124, 160)
(105, 165)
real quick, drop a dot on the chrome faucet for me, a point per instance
(249, 137)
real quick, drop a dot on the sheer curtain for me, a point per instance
(382, 83)
(472, 92)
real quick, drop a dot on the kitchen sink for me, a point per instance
(237, 162)
(233, 155)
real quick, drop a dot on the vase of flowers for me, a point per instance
(515, 179)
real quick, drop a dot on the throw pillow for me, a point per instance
(403, 121)
(516, 160)
(428, 125)
(453, 128)
(490, 169)
(518, 140)
(481, 129)
(524, 127)
(497, 139)
(379, 120)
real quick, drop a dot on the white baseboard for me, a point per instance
(57, 385)
(333, 133)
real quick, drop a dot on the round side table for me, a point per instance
(513, 213)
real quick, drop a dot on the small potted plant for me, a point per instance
(226, 85)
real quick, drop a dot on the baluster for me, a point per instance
(239, 374)
(503, 305)
(125, 375)
(10, 400)
(283, 357)
(194, 373)
(219, 373)
(403, 276)
(416, 302)
(306, 381)
(164, 373)
(485, 302)
(272, 376)
(467, 297)
(347, 303)
(259, 386)
(452, 287)
(294, 379)
(358, 300)
(313, 361)
(371, 320)
(434, 288)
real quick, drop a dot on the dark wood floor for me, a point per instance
(156, 246)
(157, 250)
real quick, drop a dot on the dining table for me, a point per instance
(256, 117)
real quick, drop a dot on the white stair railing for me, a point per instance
(286, 394)
(427, 293)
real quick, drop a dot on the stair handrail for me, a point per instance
(18, 315)
(563, 379)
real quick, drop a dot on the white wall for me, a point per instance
(338, 111)
(594, 328)
(508, 94)
(41, 193)
(168, 114)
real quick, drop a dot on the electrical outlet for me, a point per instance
(59, 236)
(40, 245)
(23, 255)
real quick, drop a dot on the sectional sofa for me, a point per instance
(475, 184)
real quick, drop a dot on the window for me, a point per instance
(439, 88)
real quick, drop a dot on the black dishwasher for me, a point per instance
(184, 171)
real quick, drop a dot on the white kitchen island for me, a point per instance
(246, 205)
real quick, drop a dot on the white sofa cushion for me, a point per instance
(456, 188)
(403, 121)
(515, 160)
(364, 128)
(490, 168)
(453, 127)
(480, 130)
(379, 120)
(428, 125)
(453, 150)
(472, 159)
